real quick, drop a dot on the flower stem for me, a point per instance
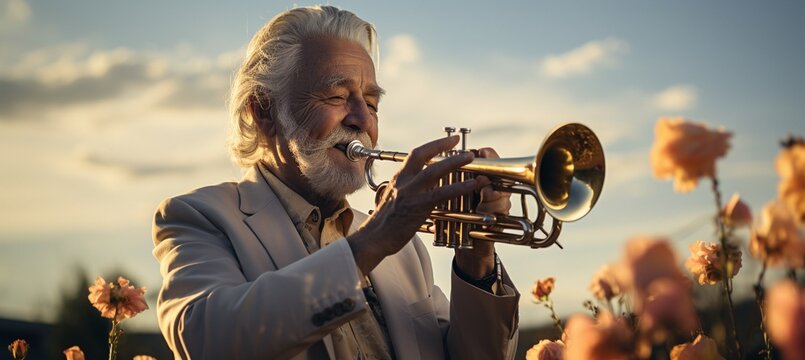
(759, 299)
(556, 321)
(610, 307)
(114, 336)
(726, 274)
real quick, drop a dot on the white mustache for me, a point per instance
(339, 135)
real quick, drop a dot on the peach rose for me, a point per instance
(777, 239)
(667, 306)
(609, 339)
(18, 349)
(791, 168)
(706, 265)
(74, 353)
(100, 295)
(604, 285)
(143, 357)
(736, 212)
(541, 289)
(702, 348)
(785, 316)
(646, 259)
(686, 151)
(546, 350)
(119, 301)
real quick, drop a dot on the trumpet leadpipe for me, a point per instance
(518, 169)
(355, 151)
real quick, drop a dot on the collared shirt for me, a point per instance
(366, 336)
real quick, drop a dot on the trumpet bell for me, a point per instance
(569, 172)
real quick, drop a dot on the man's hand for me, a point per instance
(480, 261)
(408, 201)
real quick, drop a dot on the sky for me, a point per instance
(106, 108)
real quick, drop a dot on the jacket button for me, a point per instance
(318, 319)
(340, 309)
(329, 314)
(349, 304)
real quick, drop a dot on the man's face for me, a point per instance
(332, 100)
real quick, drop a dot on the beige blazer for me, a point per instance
(239, 284)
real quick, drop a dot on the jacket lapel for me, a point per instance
(271, 225)
(269, 221)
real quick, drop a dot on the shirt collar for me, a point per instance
(299, 210)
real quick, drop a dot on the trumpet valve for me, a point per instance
(464, 132)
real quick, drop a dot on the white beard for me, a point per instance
(327, 179)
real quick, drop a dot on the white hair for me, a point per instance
(272, 61)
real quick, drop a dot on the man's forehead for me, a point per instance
(331, 51)
(334, 80)
(331, 62)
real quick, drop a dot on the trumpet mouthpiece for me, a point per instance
(352, 150)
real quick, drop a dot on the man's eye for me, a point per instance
(336, 99)
(372, 106)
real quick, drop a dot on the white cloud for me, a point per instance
(67, 69)
(401, 51)
(117, 130)
(67, 62)
(676, 98)
(15, 12)
(70, 75)
(583, 59)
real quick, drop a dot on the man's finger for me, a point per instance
(488, 153)
(428, 177)
(494, 202)
(452, 191)
(488, 193)
(419, 156)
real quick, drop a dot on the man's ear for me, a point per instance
(261, 112)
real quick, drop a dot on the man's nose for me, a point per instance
(360, 117)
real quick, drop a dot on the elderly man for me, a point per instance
(279, 266)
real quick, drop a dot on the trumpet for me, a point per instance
(565, 178)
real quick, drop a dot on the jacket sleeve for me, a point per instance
(475, 324)
(207, 308)
(487, 321)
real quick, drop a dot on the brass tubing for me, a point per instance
(453, 205)
(495, 236)
(440, 226)
(464, 239)
(479, 219)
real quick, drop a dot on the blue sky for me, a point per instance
(106, 108)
